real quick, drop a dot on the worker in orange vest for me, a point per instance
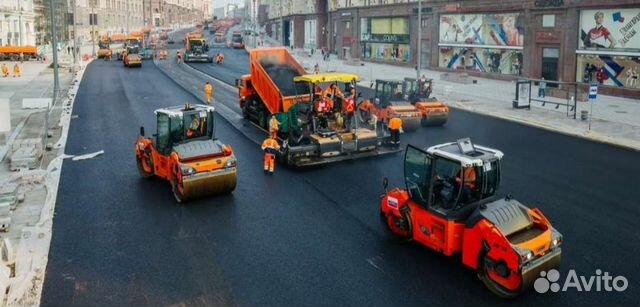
(16, 70)
(179, 55)
(467, 183)
(395, 125)
(5, 70)
(208, 92)
(270, 147)
(274, 127)
(348, 108)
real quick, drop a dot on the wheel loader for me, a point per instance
(450, 204)
(433, 111)
(185, 152)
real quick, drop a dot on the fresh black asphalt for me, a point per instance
(308, 237)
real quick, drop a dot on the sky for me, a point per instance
(221, 3)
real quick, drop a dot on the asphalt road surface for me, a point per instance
(308, 237)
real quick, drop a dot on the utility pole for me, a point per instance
(93, 32)
(56, 81)
(419, 55)
(75, 37)
(281, 24)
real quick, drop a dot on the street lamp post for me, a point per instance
(56, 80)
(75, 36)
(419, 53)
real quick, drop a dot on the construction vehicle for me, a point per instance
(196, 49)
(218, 38)
(278, 85)
(237, 41)
(117, 45)
(103, 47)
(449, 204)
(433, 111)
(388, 94)
(13, 53)
(186, 152)
(132, 57)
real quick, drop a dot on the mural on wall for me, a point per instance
(619, 71)
(482, 29)
(501, 61)
(610, 29)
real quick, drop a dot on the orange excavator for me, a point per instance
(450, 204)
(186, 152)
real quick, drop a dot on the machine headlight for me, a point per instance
(525, 254)
(556, 238)
(232, 162)
(187, 170)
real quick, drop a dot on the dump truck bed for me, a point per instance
(272, 73)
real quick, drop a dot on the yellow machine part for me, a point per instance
(433, 113)
(220, 181)
(410, 117)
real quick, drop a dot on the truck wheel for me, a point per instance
(245, 109)
(397, 228)
(14, 57)
(492, 285)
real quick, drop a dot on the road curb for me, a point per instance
(593, 136)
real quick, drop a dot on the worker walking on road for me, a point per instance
(5, 70)
(16, 70)
(270, 147)
(208, 92)
(179, 55)
(274, 127)
(395, 125)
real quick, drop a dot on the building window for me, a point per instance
(385, 39)
(347, 25)
(549, 21)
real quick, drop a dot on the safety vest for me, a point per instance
(349, 105)
(323, 105)
(270, 143)
(208, 88)
(395, 123)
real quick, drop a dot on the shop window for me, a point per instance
(501, 61)
(347, 25)
(549, 21)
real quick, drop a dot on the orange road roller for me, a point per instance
(450, 205)
(186, 152)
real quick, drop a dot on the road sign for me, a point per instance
(593, 91)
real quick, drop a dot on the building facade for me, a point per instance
(566, 40)
(303, 23)
(42, 21)
(17, 19)
(153, 13)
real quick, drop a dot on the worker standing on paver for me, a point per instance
(348, 108)
(16, 70)
(208, 92)
(395, 125)
(270, 147)
(5, 70)
(274, 127)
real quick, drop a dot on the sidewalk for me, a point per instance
(28, 195)
(615, 120)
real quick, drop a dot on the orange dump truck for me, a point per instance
(13, 52)
(279, 86)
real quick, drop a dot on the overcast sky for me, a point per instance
(221, 3)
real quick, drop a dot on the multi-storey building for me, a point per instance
(567, 40)
(17, 19)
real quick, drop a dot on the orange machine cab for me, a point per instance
(506, 242)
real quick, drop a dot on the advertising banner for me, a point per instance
(500, 61)
(482, 29)
(617, 29)
(618, 71)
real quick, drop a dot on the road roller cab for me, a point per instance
(389, 94)
(449, 204)
(185, 152)
(433, 111)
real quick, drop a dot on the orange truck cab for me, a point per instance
(186, 153)
(449, 204)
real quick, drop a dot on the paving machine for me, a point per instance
(196, 49)
(278, 85)
(449, 204)
(433, 111)
(186, 152)
(103, 47)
